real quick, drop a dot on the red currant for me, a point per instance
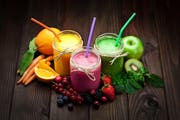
(58, 79)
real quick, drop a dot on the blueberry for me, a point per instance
(60, 102)
(70, 106)
(60, 96)
(65, 98)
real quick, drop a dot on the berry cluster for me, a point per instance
(66, 94)
(95, 97)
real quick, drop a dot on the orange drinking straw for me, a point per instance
(45, 26)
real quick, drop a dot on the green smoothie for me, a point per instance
(111, 62)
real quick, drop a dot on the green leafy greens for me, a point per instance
(27, 57)
(132, 81)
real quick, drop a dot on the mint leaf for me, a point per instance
(135, 84)
(32, 46)
(119, 88)
(137, 76)
(128, 88)
(154, 81)
(118, 82)
(143, 70)
(25, 61)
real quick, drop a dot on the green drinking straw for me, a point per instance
(123, 28)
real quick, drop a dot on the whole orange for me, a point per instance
(44, 41)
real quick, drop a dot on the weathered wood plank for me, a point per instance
(32, 102)
(10, 32)
(167, 23)
(149, 103)
(117, 110)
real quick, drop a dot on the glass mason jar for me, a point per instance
(69, 41)
(85, 71)
(111, 55)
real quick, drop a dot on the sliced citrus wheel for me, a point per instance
(44, 72)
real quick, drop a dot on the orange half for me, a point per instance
(44, 72)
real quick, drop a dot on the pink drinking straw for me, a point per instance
(90, 36)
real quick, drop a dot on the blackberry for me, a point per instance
(88, 99)
(98, 94)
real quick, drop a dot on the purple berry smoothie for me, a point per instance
(85, 72)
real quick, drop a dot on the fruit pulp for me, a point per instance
(85, 72)
(70, 41)
(105, 44)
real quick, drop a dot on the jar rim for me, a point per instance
(70, 47)
(113, 53)
(83, 49)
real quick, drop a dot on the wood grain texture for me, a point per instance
(31, 102)
(10, 32)
(117, 110)
(169, 52)
(156, 23)
(149, 103)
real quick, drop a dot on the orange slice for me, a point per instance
(44, 72)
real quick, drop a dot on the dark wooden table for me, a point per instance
(157, 24)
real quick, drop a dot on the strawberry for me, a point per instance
(109, 91)
(106, 79)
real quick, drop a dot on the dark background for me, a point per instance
(156, 23)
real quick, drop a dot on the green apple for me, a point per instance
(134, 46)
